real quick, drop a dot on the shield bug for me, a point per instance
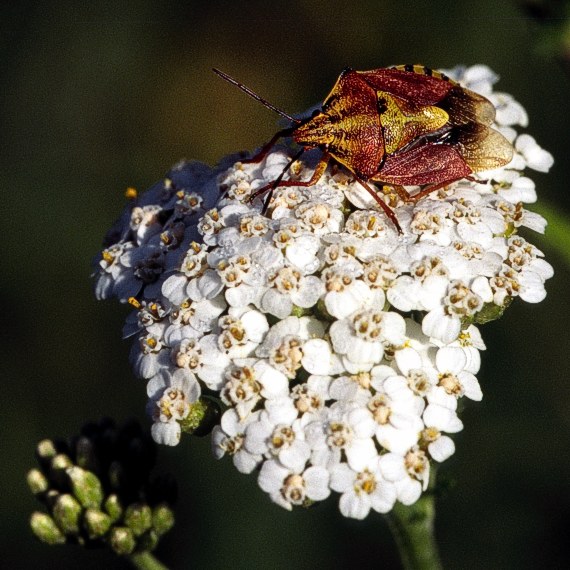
(401, 126)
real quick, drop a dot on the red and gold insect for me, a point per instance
(400, 126)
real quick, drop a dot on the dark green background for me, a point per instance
(98, 96)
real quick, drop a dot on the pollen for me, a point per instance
(131, 193)
(450, 383)
(107, 257)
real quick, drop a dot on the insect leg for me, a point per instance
(432, 188)
(402, 193)
(276, 182)
(318, 172)
(264, 150)
(387, 210)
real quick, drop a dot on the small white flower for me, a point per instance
(516, 216)
(522, 189)
(202, 357)
(170, 401)
(148, 355)
(278, 433)
(229, 437)
(319, 217)
(241, 332)
(350, 431)
(149, 317)
(192, 319)
(290, 288)
(430, 221)
(509, 111)
(344, 292)
(361, 338)
(146, 263)
(417, 367)
(210, 224)
(362, 490)
(424, 288)
(477, 222)
(354, 388)
(288, 488)
(409, 473)
(444, 321)
(439, 419)
(144, 222)
(113, 277)
(318, 358)
(310, 398)
(248, 381)
(454, 379)
(479, 78)
(302, 252)
(396, 409)
(534, 156)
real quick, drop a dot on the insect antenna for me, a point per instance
(254, 95)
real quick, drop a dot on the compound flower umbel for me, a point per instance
(337, 348)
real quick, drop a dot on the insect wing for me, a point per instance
(416, 88)
(483, 148)
(427, 164)
(465, 106)
(419, 86)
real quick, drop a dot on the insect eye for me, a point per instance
(314, 113)
(382, 105)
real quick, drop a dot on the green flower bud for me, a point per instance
(138, 517)
(117, 475)
(162, 519)
(86, 487)
(66, 513)
(148, 541)
(44, 527)
(96, 523)
(299, 311)
(57, 470)
(60, 462)
(37, 482)
(122, 540)
(85, 455)
(113, 507)
(46, 449)
(511, 229)
(321, 312)
(195, 416)
(202, 417)
(51, 498)
(491, 312)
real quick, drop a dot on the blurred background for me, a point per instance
(98, 96)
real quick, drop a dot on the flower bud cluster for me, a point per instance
(97, 490)
(339, 348)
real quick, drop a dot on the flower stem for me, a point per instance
(146, 561)
(413, 530)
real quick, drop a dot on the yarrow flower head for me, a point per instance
(336, 348)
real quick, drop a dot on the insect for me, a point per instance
(401, 126)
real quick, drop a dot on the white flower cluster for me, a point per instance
(338, 348)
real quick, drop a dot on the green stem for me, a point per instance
(557, 232)
(146, 561)
(413, 530)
